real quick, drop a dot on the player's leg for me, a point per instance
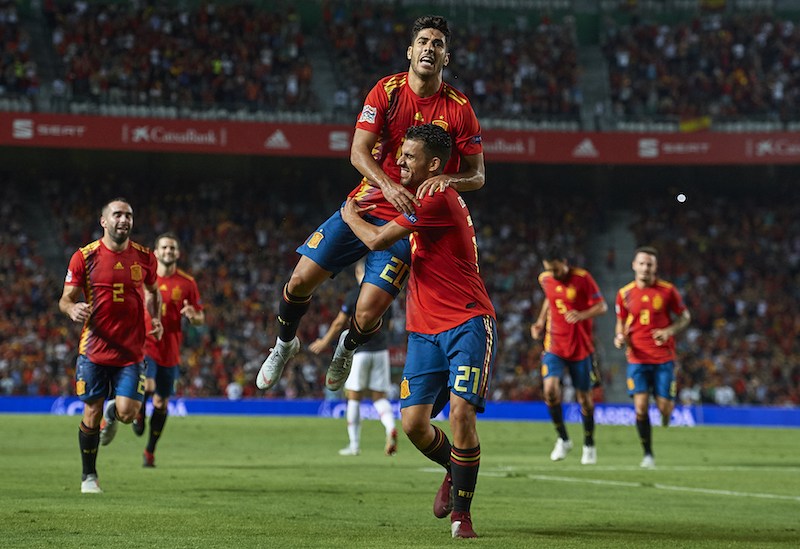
(166, 385)
(328, 250)
(379, 382)
(552, 370)
(666, 389)
(91, 382)
(354, 389)
(640, 382)
(139, 421)
(470, 349)
(128, 383)
(582, 373)
(385, 273)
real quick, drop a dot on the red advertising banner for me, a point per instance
(327, 140)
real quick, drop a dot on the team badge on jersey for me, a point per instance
(405, 392)
(176, 294)
(314, 240)
(136, 273)
(368, 114)
(442, 124)
(657, 302)
(571, 293)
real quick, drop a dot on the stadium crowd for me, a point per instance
(716, 65)
(506, 72)
(18, 70)
(214, 55)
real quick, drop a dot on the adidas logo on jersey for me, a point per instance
(585, 149)
(277, 141)
(118, 265)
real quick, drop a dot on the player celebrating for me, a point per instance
(572, 300)
(180, 297)
(451, 320)
(371, 370)
(118, 281)
(643, 324)
(396, 102)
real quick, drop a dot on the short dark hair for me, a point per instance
(554, 252)
(168, 234)
(436, 141)
(432, 22)
(107, 204)
(646, 250)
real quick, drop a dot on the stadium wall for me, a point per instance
(605, 414)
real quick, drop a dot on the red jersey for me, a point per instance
(444, 289)
(113, 286)
(390, 108)
(577, 292)
(644, 310)
(174, 289)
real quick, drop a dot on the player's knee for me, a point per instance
(415, 429)
(368, 317)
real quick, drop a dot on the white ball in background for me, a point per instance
(681, 198)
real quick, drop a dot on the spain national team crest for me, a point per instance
(571, 293)
(80, 388)
(657, 302)
(405, 392)
(136, 273)
(314, 240)
(176, 294)
(442, 124)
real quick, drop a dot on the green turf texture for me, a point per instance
(242, 482)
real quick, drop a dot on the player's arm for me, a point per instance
(662, 335)
(70, 306)
(621, 338)
(471, 177)
(318, 345)
(152, 300)
(538, 327)
(361, 158)
(599, 308)
(374, 237)
(196, 316)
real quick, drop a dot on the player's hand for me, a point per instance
(317, 346)
(158, 329)
(620, 341)
(573, 317)
(80, 312)
(351, 211)
(536, 330)
(429, 186)
(401, 198)
(189, 311)
(660, 336)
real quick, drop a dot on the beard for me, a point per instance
(118, 237)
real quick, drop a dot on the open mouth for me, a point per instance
(427, 60)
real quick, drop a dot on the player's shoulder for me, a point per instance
(183, 274)
(627, 287)
(144, 250)
(544, 275)
(90, 249)
(664, 284)
(392, 82)
(453, 94)
(577, 271)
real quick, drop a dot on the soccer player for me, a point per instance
(572, 300)
(118, 280)
(397, 102)
(644, 323)
(450, 319)
(180, 297)
(370, 371)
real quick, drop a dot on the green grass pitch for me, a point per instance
(246, 482)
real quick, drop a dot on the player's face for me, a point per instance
(644, 267)
(558, 267)
(428, 54)
(117, 221)
(167, 252)
(414, 166)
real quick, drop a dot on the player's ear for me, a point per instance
(435, 164)
(446, 59)
(408, 53)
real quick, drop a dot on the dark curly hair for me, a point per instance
(431, 22)
(436, 141)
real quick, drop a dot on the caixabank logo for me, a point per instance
(166, 136)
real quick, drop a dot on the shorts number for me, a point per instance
(396, 273)
(140, 387)
(468, 372)
(119, 288)
(644, 317)
(673, 389)
(562, 309)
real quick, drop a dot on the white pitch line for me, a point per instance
(634, 485)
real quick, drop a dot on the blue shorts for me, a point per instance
(93, 380)
(459, 359)
(166, 377)
(581, 371)
(658, 378)
(333, 246)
